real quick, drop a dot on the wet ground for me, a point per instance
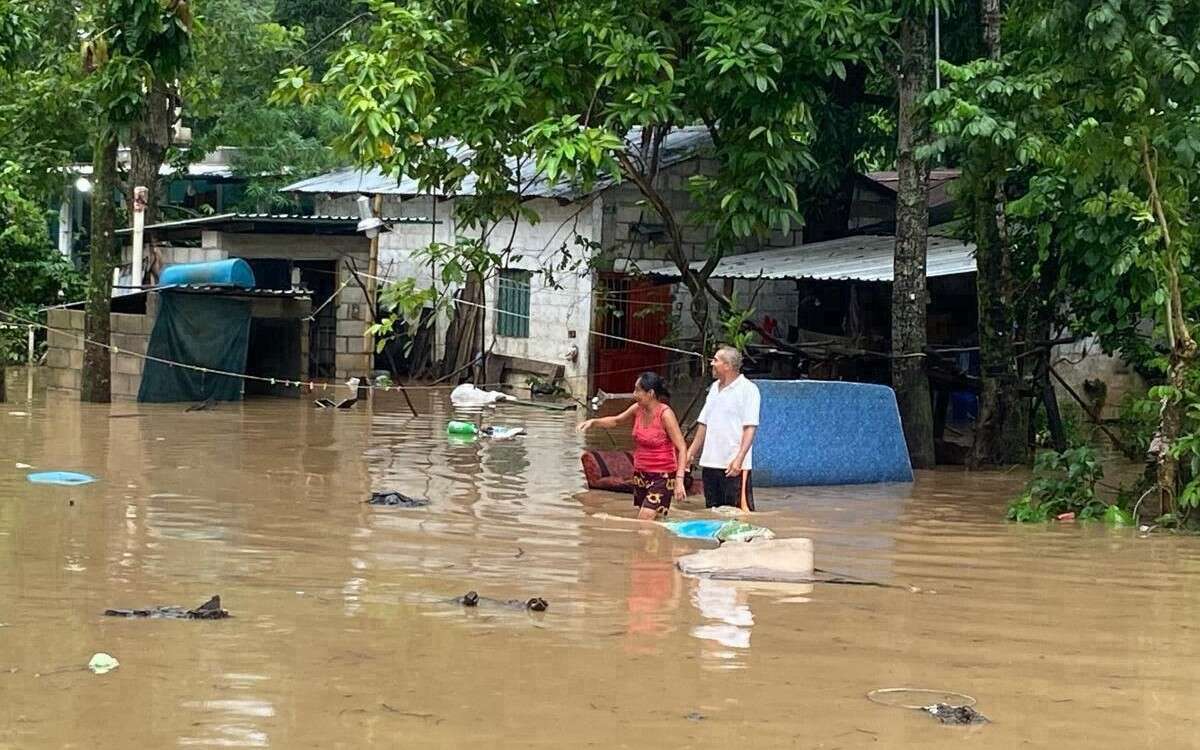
(342, 636)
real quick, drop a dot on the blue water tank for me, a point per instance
(234, 272)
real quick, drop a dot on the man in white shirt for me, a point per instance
(725, 433)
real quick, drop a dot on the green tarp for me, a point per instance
(203, 330)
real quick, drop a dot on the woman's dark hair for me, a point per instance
(652, 381)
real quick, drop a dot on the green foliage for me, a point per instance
(1138, 420)
(403, 301)
(1070, 109)
(127, 45)
(1073, 426)
(239, 48)
(733, 326)
(1186, 448)
(32, 272)
(1062, 482)
(439, 90)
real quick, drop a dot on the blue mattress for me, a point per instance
(815, 432)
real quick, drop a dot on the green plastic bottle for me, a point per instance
(462, 428)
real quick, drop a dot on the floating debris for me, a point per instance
(396, 499)
(69, 478)
(102, 663)
(960, 712)
(956, 715)
(210, 610)
(473, 599)
(206, 404)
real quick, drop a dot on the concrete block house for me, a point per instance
(578, 321)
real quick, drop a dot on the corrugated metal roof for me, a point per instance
(232, 291)
(235, 218)
(679, 145)
(128, 296)
(861, 258)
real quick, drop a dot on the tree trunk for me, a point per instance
(1169, 426)
(1001, 433)
(909, 291)
(1184, 350)
(97, 377)
(150, 139)
(1043, 313)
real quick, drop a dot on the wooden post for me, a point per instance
(139, 225)
(373, 258)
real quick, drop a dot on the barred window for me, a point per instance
(512, 308)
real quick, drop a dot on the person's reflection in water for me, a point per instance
(726, 606)
(653, 592)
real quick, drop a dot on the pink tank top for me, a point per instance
(653, 451)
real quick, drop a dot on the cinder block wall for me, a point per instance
(64, 356)
(131, 337)
(64, 349)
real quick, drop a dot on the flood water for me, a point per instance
(342, 634)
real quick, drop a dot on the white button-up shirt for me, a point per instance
(726, 411)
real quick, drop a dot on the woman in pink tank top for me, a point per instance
(659, 454)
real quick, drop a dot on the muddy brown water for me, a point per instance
(1068, 635)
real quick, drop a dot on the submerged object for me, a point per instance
(210, 610)
(473, 599)
(396, 498)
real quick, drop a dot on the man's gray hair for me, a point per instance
(731, 357)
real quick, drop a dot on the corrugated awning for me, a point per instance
(279, 223)
(861, 258)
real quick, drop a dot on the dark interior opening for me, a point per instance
(320, 278)
(273, 352)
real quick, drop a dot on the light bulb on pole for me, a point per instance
(368, 222)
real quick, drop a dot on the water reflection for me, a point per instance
(654, 590)
(727, 610)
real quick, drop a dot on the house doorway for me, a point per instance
(320, 278)
(629, 309)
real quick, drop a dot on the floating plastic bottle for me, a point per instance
(462, 428)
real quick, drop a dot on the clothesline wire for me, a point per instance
(457, 300)
(612, 296)
(287, 382)
(529, 317)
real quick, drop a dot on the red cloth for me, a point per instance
(654, 452)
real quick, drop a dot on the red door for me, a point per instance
(629, 310)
